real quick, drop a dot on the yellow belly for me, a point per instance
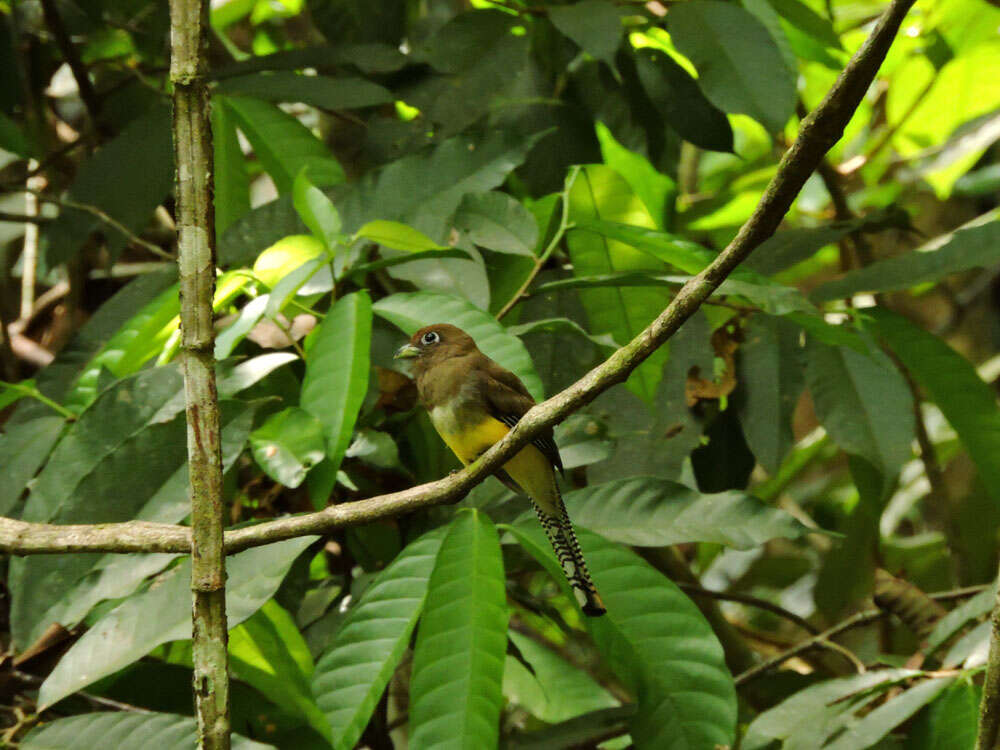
(529, 468)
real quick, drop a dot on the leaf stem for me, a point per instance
(541, 260)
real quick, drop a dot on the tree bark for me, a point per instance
(196, 259)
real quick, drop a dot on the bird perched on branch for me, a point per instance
(473, 402)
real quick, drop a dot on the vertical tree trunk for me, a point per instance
(196, 258)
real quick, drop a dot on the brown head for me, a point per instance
(434, 344)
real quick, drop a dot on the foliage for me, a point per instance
(544, 175)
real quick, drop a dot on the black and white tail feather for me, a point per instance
(561, 536)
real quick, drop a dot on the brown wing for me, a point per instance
(508, 400)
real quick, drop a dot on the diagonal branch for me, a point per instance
(818, 132)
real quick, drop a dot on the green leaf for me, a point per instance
(127, 178)
(231, 198)
(64, 588)
(455, 688)
(567, 691)
(656, 189)
(479, 60)
(811, 715)
(599, 193)
(677, 96)
(864, 404)
(648, 512)
(356, 667)
(659, 644)
(874, 726)
(808, 21)
(123, 731)
(12, 139)
(973, 247)
(950, 721)
(133, 343)
(496, 221)
(128, 632)
(323, 92)
(268, 652)
(595, 25)
(397, 236)
(412, 311)
(283, 144)
(23, 449)
(288, 444)
(363, 268)
(966, 401)
(740, 68)
(336, 378)
(316, 210)
(369, 58)
(771, 376)
(230, 337)
(979, 605)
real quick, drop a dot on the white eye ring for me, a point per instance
(430, 338)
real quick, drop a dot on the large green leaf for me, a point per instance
(966, 401)
(128, 632)
(288, 444)
(455, 688)
(740, 68)
(268, 651)
(320, 91)
(354, 670)
(282, 143)
(92, 478)
(231, 198)
(811, 715)
(336, 378)
(595, 25)
(600, 193)
(23, 449)
(650, 512)
(408, 312)
(496, 221)
(123, 731)
(565, 690)
(771, 376)
(121, 354)
(772, 296)
(659, 644)
(874, 726)
(950, 721)
(656, 189)
(681, 102)
(478, 59)
(127, 179)
(974, 247)
(864, 404)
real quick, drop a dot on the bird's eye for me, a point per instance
(430, 338)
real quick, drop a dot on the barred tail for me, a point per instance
(560, 532)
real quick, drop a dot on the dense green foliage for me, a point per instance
(544, 175)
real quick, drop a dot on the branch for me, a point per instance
(818, 132)
(196, 262)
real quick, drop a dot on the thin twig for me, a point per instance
(751, 601)
(856, 620)
(29, 252)
(13, 218)
(97, 700)
(102, 216)
(818, 132)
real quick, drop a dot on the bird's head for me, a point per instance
(436, 343)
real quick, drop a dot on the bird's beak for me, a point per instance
(407, 351)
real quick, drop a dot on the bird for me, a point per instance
(473, 402)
